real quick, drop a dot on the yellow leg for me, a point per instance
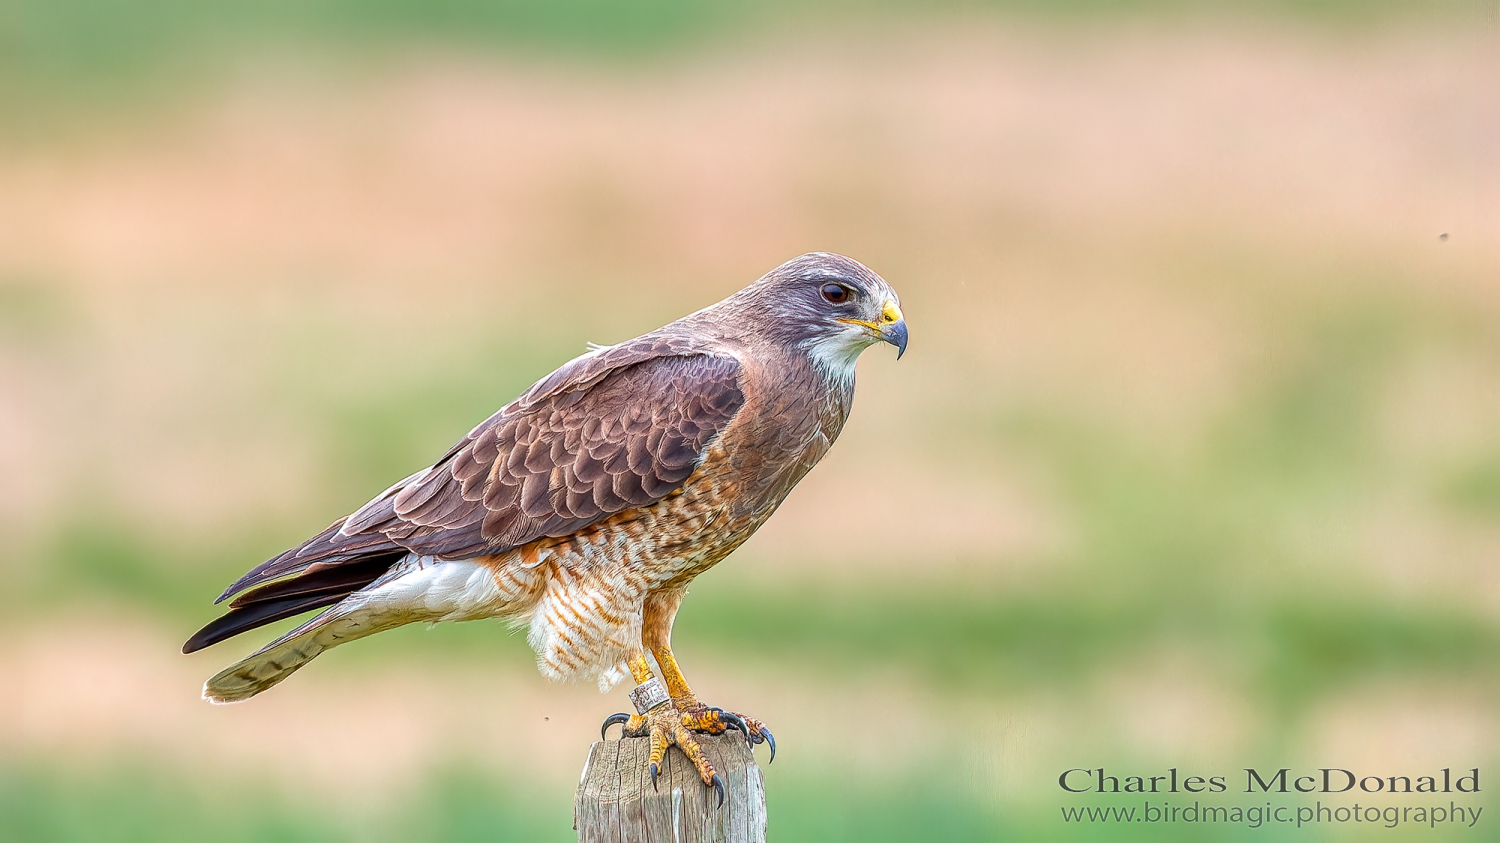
(656, 635)
(639, 667)
(671, 674)
(669, 725)
(633, 724)
(665, 725)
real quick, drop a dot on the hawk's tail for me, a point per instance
(281, 658)
(417, 590)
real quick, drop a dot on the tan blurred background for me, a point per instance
(1194, 460)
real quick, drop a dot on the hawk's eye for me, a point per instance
(835, 293)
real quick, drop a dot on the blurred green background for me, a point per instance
(1194, 461)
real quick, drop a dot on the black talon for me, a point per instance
(718, 784)
(654, 771)
(618, 717)
(733, 721)
(770, 739)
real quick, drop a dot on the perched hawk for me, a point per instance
(583, 509)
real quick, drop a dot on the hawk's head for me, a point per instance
(831, 306)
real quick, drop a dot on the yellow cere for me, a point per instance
(890, 314)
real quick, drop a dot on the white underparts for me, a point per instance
(437, 590)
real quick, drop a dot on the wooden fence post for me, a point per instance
(616, 803)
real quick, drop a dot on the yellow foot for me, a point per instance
(701, 718)
(716, 721)
(665, 725)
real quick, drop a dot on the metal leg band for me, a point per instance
(648, 695)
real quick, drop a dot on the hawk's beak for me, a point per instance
(892, 327)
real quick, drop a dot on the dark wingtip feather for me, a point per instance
(268, 570)
(318, 587)
(327, 546)
(256, 574)
(256, 615)
(320, 578)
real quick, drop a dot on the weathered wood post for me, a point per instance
(616, 803)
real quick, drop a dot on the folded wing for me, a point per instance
(613, 430)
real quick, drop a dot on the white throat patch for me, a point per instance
(836, 355)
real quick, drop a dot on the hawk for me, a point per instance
(584, 508)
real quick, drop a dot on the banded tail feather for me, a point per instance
(282, 657)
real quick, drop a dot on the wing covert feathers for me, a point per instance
(567, 459)
(614, 429)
